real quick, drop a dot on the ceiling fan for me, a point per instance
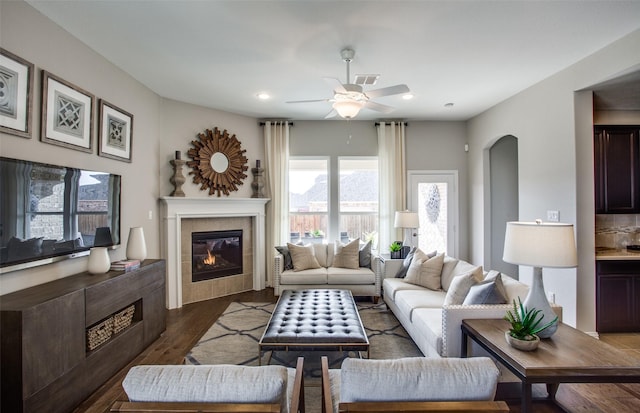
(349, 98)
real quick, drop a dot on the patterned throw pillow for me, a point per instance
(425, 271)
(302, 257)
(347, 255)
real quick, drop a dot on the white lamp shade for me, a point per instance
(538, 244)
(406, 219)
(348, 108)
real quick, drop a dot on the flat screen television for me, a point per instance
(50, 212)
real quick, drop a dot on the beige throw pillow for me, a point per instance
(303, 257)
(425, 271)
(347, 255)
(460, 286)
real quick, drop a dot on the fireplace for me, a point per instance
(215, 254)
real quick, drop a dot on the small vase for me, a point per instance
(99, 262)
(524, 345)
(136, 246)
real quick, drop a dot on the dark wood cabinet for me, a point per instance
(617, 296)
(617, 169)
(47, 363)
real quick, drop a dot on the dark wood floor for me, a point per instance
(185, 326)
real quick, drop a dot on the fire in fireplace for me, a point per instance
(215, 254)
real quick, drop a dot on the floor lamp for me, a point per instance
(408, 221)
(538, 245)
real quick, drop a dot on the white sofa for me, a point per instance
(434, 326)
(363, 281)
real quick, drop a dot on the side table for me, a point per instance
(569, 356)
(390, 266)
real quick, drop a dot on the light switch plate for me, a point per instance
(553, 216)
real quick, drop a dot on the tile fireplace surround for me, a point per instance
(175, 209)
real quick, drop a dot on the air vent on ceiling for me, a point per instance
(366, 79)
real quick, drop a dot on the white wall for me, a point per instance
(160, 127)
(543, 118)
(440, 146)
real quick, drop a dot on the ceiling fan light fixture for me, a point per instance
(348, 109)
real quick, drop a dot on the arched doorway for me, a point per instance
(503, 175)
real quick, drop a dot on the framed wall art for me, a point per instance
(16, 97)
(116, 132)
(67, 114)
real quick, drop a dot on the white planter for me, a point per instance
(99, 262)
(136, 245)
(524, 345)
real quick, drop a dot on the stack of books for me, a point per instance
(125, 265)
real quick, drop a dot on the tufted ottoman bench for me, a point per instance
(315, 320)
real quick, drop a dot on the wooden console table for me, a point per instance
(569, 356)
(48, 364)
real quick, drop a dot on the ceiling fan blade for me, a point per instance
(336, 85)
(331, 114)
(378, 107)
(308, 101)
(388, 91)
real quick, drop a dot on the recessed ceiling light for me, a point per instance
(448, 105)
(263, 96)
(407, 96)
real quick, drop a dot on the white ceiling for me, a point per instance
(220, 54)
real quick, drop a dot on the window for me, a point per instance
(358, 198)
(321, 212)
(308, 199)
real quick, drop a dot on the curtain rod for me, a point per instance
(289, 122)
(384, 123)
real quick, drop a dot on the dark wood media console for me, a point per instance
(47, 364)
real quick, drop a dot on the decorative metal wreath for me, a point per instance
(218, 162)
(433, 203)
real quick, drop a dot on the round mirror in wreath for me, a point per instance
(218, 162)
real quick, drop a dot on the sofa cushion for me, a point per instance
(429, 322)
(418, 379)
(425, 271)
(312, 276)
(286, 255)
(514, 288)
(338, 276)
(320, 251)
(461, 285)
(393, 285)
(220, 383)
(364, 255)
(453, 267)
(409, 300)
(347, 255)
(303, 257)
(486, 292)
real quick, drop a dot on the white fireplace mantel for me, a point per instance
(174, 209)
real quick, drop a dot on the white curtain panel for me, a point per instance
(276, 149)
(393, 180)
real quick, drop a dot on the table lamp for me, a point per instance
(407, 220)
(538, 245)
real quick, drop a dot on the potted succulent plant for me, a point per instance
(525, 324)
(395, 249)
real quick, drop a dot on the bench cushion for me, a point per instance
(418, 379)
(210, 383)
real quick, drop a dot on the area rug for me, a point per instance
(233, 339)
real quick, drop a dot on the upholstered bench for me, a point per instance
(411, 384)
(322, 319)
(213, 388)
